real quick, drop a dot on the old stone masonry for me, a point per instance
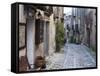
(74, 56)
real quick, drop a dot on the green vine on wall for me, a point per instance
(59, 36)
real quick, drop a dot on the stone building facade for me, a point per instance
(36, 33)
(90, 28)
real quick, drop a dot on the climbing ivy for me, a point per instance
(59, 36)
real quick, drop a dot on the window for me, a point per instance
(39, 31)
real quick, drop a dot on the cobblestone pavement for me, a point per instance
(74, 56)
(55, 61)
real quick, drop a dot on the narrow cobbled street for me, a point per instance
(73, 56)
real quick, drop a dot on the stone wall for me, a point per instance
(52, 31)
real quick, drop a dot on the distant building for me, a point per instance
(82, 23)
(58, 14)
(67, 27)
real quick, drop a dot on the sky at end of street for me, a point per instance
(67, 10)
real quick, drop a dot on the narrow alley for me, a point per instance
(52, 37)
